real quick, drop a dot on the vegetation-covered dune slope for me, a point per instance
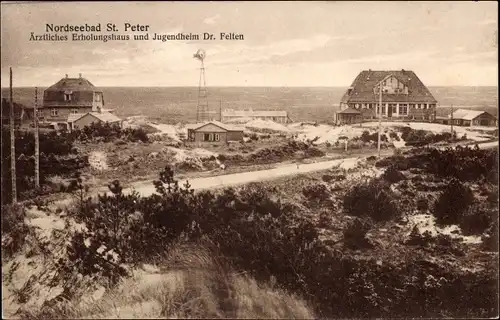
(408, 236)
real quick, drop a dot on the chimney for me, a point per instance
(66, 76)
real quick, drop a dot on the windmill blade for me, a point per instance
(200, 54)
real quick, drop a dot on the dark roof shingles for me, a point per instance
(74, 84)
(362, 88)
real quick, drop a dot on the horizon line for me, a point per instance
(228, 86)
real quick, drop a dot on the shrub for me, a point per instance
(477, 218)
(367, 137)
(490, 237)
(316, 192)
(452, 203)
(393, 175)
(355, 234)
(422, 204)
(327, 178)
(394, 136)
(14, 229)
(373, 199)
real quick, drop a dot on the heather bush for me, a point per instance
(394, 136)
(422, 204)
(355, 234)
(109, 132)
(373, 199)
(14, 229)
(57, 158)
(393, 175)
(317, 193)
(256, 232)
(452, 203)
(367, 137)
(478, 218)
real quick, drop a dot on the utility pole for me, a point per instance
(379, 118)
(451, 121)
(37, 143)
(12, 144)
(220, 109)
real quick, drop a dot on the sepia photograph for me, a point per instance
(256, 160)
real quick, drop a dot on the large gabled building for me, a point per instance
(403, 95)
(72, 103)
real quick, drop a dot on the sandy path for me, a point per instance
(146, 188)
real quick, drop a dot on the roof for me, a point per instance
(103, 116)
(72, 117)
(73, 84)
(465, 114)
(219, 124)
(256, 113)
(362, 88)
(349, 111)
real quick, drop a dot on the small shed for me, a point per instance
(348, 116)
(80, 120)
(464, 117)
(213, 131)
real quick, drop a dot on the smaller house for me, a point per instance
(464, 117)
(79, 120)
(213, 131)
(348, 116)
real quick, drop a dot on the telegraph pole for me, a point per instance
(220, 109)
(451, 122)
(379, 118)
(12, 144)
(37, 143)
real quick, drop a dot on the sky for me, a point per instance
(285, 43)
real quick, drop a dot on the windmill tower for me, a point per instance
(202, 111)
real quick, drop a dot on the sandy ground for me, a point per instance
(146, 188)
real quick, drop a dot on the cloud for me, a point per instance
(237, 54)
(212, 19)
(487, 22)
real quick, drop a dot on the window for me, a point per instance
(217, 137)
(74, 111)
(97, 97)
(403, 109)
(54, 112)
(206, 137)
(192, 136)
(67, 96)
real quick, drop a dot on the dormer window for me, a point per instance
(68, 95)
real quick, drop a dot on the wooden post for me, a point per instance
(379, 118)
(37, 142)
(12, 144)
(451, 122)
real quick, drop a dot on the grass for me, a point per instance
(190, 283)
